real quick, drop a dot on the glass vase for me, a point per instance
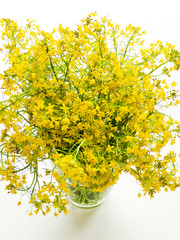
(85, 197)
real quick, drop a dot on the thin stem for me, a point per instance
(23, 117)
(22, 168)
(99, 42)
(51, 63)
(26, 189)
(67, 70)
(13, 102)
(77, 149)
(159, 66)
(130, 39)
(36, 181)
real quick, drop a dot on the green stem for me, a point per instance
(51, 63)
(130, 39)
(67, 65)
(159, 66)
(99, 42)
(13, 102)
(22, 168)
(77, 149)
(23, 117)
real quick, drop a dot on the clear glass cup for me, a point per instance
(85, 197)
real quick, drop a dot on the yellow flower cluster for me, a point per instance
(89, 100)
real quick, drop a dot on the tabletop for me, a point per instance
(122, 216)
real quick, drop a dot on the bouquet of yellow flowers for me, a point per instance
(92, 102)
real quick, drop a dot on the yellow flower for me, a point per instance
(86, 104)
(174, 84)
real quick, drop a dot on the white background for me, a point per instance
(123, 215)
